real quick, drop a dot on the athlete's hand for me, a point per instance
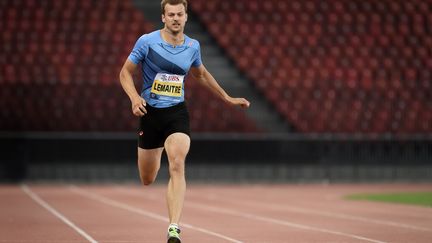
(242, 102)
(138, 106)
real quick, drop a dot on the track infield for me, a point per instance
(413, 198)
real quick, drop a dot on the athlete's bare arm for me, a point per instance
(204, 77)
(126, 80)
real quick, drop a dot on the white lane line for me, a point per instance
(45, 205)
(278, 221)
(327, 214)
(273, 220)
(129, 208)
(64, 241)
(48, 241)
(347, 216)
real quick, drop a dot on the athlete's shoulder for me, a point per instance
(149, 38)
(190, 42)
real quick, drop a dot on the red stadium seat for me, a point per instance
(76, 50)
(370, 50)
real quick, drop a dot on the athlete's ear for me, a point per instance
(186, 17)
(163, 18)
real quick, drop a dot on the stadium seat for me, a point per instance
(357, 59)
(63, 59)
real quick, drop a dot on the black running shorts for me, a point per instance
(159, 123)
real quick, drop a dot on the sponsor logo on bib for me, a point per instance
(168, 85)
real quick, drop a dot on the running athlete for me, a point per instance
(165, 57)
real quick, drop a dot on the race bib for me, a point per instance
(168, 85)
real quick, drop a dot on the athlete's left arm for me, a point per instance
(201, 74)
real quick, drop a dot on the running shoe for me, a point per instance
(173, 235)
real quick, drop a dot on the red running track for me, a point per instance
(212, 213)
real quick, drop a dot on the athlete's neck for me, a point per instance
(175, 39)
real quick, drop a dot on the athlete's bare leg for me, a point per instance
(148, 164)
(177, 147)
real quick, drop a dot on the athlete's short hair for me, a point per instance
(173, 2)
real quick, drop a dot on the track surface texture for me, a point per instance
(212, 213)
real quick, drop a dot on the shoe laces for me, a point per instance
(174, 230)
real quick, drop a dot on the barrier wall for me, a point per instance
(269, 158)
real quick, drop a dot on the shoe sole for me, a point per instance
(174, 240)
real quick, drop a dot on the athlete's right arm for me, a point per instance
(126, 80)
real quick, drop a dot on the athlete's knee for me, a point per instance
(148, 173)
(176, 165)
(147, 180)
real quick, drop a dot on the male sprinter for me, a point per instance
(165, 57)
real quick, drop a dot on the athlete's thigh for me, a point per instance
(149, 160)
(177, 145)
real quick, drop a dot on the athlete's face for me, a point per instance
(175, 18)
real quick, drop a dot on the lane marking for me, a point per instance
(328, 214)
(64, 241)
(278, 221)
(345, 216)
(132, 209)
(274, 221)
(56, 213)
